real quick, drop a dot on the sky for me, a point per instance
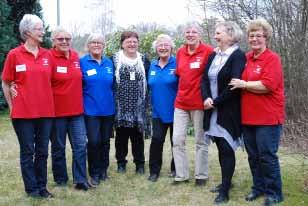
(79, 15)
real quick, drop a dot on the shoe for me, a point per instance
(221, 198)
(46, 194)
(34, 194)
(153, 177)
(252, 196)
(200, 182)
(94, 182)
(104, 176)
(82, 186)
(140, 170)
(179, 182)
(217, 188)
(121, 169)
(269, 201)
(172, 174)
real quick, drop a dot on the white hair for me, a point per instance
(27, 24)
(161, 37)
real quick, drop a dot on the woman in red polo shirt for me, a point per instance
(67, 92)
(28, 68)
(262, 112)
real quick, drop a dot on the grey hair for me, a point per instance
(94, 36)
(232, 29)
(262, 24)
(27, 24)
(193, 24)
(163, 37)
(56, 31)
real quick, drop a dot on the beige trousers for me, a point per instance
(180, 125)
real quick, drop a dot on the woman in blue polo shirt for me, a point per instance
(99, 106)
(163, 84)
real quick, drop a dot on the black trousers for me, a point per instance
(227, 163)
(121, 145)
(157, 145)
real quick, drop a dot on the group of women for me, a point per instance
(52, 94)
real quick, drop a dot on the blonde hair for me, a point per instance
(232, 29)
(261, 24)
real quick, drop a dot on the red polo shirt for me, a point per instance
(32, 77)
(190, 69)
(66, 84)
(264, 109)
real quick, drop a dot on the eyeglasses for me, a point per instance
(130, 42)
(257, 36)
(61, 39)
(96, 43)
(163, 45)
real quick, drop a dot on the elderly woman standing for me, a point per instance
(163, 84)
(222, 117)
(262, 112)
(131, 96)
(190, 63)
(67, 92)
(32, 107)
(99, 106)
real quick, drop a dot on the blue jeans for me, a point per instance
(262, 144)
(99, 131)
(74, 126)
(33, 136)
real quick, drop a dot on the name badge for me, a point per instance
(195, 65)
(172, 71)
(21, 68)
(91, 72)
(153, 73)
(132, 76)
(62, 69)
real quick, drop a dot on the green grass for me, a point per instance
(130, 189)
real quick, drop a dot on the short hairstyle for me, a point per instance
(193, 24)
(92, 37)
(261, 24)
(232, 29)
(163, 37)
(27, 24)
(128, 34)
(58, 30)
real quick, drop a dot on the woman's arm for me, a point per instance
(7, 93)
(252, 86)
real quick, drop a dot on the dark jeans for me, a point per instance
(157, 145)
(33, 136)
(121, 145)
(262, 144)
(226, 158)
(99, 132)
(74, 126)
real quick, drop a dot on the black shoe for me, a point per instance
(153, 177)
(179, 182)
(200, 182)
(269, 201)
(46, 194)
(121, 169)
(172, 174)
(104, 176)
(140, 170)
(252, 196)
(82, 186)
(34, 194)
(217, 188)
(221, 198)
(94, 182)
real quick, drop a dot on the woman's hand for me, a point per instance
(208, 103)
(238, 84)
(13, 89)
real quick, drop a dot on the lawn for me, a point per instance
(130, 189)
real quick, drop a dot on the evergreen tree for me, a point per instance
(7, 39)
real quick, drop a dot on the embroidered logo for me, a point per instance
(45, 62)
(258, 69)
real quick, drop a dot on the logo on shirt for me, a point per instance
(258, 69)
(45, 62)
(76, 65)
(171, 71)
(153, 73)
(109, 70)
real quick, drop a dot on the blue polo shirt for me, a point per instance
(97, 79)
(163, 84)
